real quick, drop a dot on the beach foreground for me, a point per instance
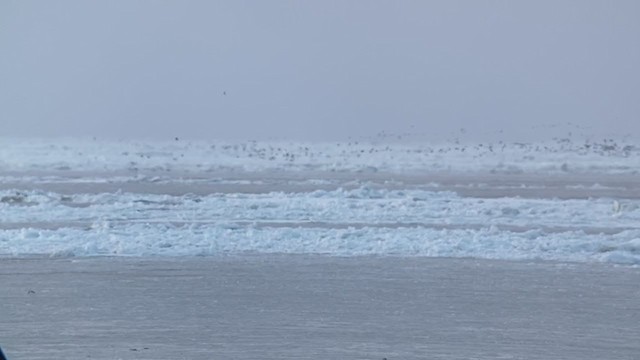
(316, 307)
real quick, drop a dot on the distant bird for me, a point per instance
(224, 93)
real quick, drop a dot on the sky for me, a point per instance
(320, 70)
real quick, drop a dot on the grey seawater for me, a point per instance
(316, 307)
(482, 185)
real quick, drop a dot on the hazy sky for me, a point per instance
(319, 70)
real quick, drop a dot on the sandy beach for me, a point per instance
(316, 307)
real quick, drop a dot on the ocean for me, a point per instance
(275, 250)
(555, 201)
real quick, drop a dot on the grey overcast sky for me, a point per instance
(319, 70)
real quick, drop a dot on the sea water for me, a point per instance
(559, 200)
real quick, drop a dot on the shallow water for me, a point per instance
(317, 307)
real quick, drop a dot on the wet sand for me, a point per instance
(316, 307)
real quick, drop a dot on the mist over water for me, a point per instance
(320, 71)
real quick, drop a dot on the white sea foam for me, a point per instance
(362, 221)
(362, 205)
(163, 239)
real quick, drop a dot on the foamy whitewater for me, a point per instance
(561, 200)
